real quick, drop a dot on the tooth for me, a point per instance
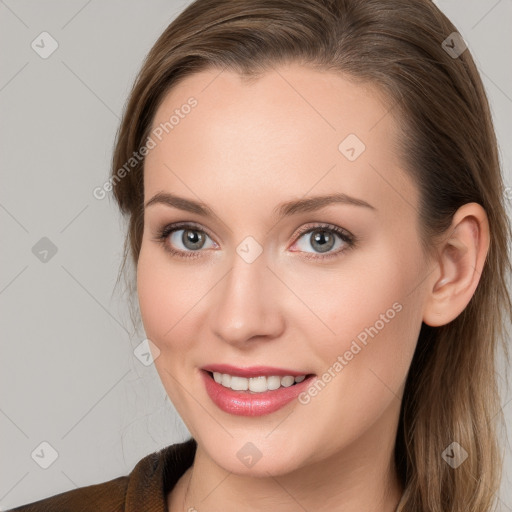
(226, 380)
(239, 383)
(273, 382)
(258, 384)
(287, 381)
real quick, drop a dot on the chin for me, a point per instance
(257, 455)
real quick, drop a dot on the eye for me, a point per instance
(184, 240)
(323, 238)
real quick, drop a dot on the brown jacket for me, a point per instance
(143, 490)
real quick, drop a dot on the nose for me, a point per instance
(247, 304)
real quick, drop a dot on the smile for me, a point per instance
(253, 396)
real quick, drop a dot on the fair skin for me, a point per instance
(242, 151)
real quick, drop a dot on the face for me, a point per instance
(328, 290)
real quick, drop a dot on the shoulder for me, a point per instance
(145, 488)
(106, 496)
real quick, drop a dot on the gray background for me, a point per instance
(68, 374)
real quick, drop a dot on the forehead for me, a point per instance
(291, 131)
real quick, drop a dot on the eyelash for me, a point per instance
(164, 232)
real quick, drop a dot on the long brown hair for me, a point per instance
(449, 146)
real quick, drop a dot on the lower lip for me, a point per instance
(246, 403)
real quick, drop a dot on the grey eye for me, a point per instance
(321, 239)
(190, 239)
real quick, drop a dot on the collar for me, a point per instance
(155, 475)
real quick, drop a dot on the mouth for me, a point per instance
(255, 396)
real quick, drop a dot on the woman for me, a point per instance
(317, 221)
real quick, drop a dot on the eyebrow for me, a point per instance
(286, 209)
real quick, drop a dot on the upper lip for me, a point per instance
(251, 371)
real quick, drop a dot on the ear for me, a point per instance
(460, 260)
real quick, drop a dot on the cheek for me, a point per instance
(152, 302)
(160, 295)
(376, 321)
(171, 298)
(163, 310)
(372, 309)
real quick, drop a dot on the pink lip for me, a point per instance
(251, 371)
(247, 403)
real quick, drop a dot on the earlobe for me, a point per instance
(461, 258)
